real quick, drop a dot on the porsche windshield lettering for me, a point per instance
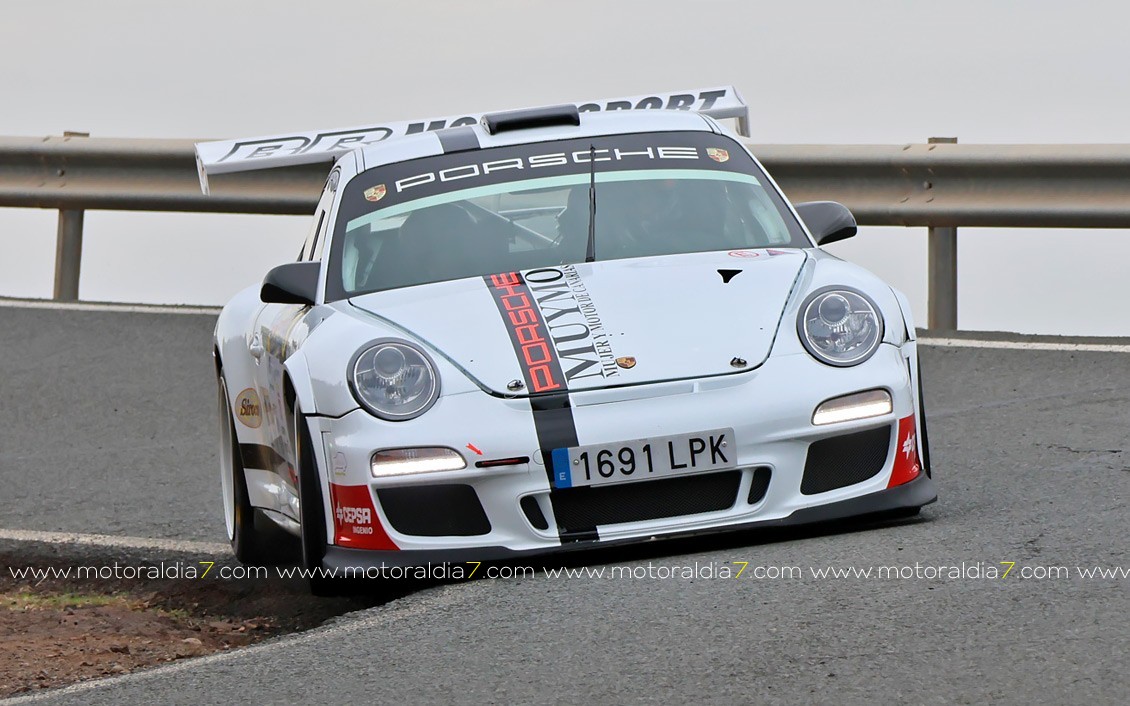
(520, 208)
(554, 159)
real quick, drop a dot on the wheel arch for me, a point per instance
(298, 392)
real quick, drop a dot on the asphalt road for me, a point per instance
(1029, 450)
(108, 424)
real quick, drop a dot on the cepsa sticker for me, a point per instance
(355, 518)
(248, 410)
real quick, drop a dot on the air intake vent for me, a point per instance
(845, 460)
(534, 117)
(760, 485)
(434, 510)
(533, 513)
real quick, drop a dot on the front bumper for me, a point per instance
(770, 410)
(914, 494)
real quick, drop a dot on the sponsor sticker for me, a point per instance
(355, 518)
(376, 193)
(717, 154)
(576, 329)
(749, 254)
(248, 410)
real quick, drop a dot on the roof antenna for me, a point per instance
(590, 250)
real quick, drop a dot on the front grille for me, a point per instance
(533, 513)
(759, 485)
(845, 460)
(434, 510)
(580, 509)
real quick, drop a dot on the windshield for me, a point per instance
(514, 208)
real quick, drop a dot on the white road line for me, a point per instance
(123, 308)
(106, 540)
(1026, 345)
(368, 620)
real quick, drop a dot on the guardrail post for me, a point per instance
(68, 246)
(68, 255)
(942, 254)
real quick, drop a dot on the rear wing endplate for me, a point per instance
(226, 156)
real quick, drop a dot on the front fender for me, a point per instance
(298, 372)
(234, 361)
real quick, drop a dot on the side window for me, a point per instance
(312, 247)
(308, 244)
(319, 236)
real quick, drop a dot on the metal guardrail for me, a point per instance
(939, 185)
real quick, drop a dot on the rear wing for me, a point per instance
(226, 156)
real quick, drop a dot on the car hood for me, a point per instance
(601, 324)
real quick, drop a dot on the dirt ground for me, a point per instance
(63, 631)
(53, 640)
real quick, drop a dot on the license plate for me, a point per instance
(644, 459)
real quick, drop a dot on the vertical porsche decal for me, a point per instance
(541, 369)
(529, 334)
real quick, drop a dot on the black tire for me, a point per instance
(922, 422)
(311, 511)
(247, 541)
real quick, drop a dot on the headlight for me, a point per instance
(394, 380)
(839, 326)
(406, 462)
(861, 405)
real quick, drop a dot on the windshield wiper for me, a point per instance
(590, 249)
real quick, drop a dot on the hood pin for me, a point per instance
(515, 385)
(738, 362)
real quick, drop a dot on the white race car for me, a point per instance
(554, 329)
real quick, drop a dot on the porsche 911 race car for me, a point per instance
(557, 328)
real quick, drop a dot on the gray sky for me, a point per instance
(815, 71)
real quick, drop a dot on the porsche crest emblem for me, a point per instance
(718, 155)
(626, 362)
(376, 193)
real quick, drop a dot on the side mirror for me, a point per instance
(828, 221)
(292, 283)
